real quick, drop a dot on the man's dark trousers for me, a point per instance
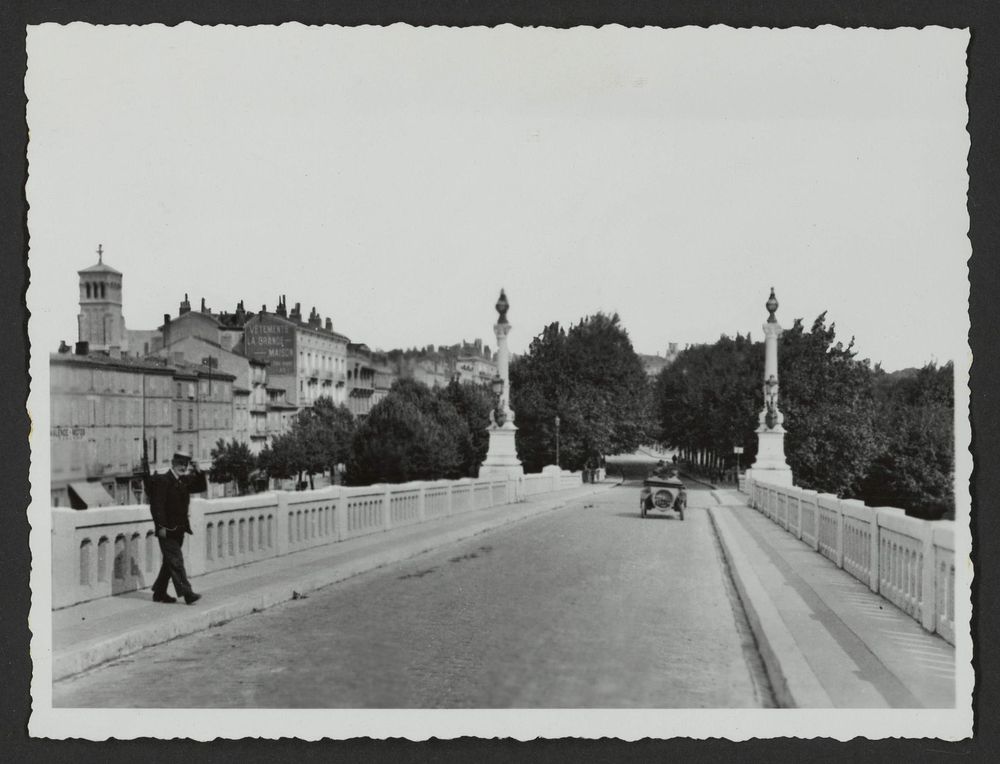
(172, 568)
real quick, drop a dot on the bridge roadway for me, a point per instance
(582, 606)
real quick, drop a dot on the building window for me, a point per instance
(190, 419)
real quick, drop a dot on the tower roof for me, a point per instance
(100, 268)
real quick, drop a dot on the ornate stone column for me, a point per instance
(501, 459)
(771, 465)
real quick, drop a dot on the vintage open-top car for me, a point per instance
(665, 493)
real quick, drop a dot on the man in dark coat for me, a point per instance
(169, 497)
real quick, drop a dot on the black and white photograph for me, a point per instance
(402, 381)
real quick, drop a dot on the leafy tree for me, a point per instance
(319, 439)
(411, 434)
(592, 379)
(323, 434)
(706, 401)
(914, 468)
(473, 404)
(281, 458)
(827, 397)
(232, 463)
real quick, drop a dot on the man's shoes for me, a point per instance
(191, 598)
(166, 598)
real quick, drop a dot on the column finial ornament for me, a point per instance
(772, 307)
(502, 307)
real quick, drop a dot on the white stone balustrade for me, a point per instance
(910, 562)
(109, 550)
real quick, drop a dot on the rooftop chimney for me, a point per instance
(203, 305)
(314, 320)
(185, 305)
(83, 347)
(329, 324)
(280, 310)
(296, 314)
(166, 318)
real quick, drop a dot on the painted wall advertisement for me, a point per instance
(270, 339)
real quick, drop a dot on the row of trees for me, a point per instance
(415, 433)
(588, 376)
(853, 429)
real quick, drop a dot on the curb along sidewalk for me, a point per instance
(94, 632)
(826, 639)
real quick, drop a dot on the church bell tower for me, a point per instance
(101, 323)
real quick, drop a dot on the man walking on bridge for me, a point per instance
(169, 497)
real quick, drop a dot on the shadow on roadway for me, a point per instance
(636, 516)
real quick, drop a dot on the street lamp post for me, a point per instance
(557, 440)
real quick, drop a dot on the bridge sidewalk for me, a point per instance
(827, 640)
(91, 633)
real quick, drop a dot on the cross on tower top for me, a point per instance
(100, 254)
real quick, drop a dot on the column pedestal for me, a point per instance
(501, 459)
(770, 465)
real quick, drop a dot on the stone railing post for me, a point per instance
(340, 514)
(875, 544)
(422, 502)
(814, 501)
(195, 561)
(387, 508)
(798, 510)
(282, 544)
(65, 558)
(840, 535)
(928, 590)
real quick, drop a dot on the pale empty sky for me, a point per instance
(396, 178)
